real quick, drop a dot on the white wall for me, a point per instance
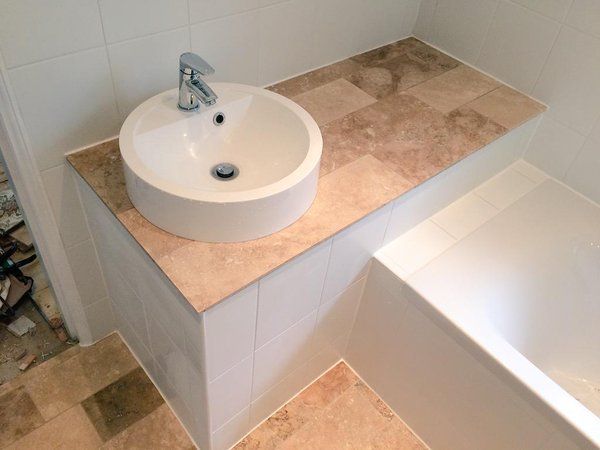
(78, 67)
(546, 48)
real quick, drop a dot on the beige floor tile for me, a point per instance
(18, 416)
(454, 88)
(333, 100)
(507, 107)
(66, 384)
(70, 430)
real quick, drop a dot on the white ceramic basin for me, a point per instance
(168, 157)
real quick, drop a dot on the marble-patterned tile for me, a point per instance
(454, 88)
(403, 72)
(311, 80)
(344, 196)
(300, 410)
(71, 429)
(333, 100)
(69, 383)
(101, 167)
(507, 107)
(388, 52)
(18, 415)
(159, 429)
(427, 142)
(122, 403)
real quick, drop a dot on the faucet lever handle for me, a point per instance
(190, 63)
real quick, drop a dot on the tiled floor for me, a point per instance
(98, 397)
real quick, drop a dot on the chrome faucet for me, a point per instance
(192, 89)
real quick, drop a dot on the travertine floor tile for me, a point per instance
(159, 429)
(122, 403)
(454, 88)
(507, 107)
(333, 100)
(64, 385)
(70, 430)
(18, 416)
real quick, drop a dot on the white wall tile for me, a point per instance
(201, 10)
(583, 174)
(230, 393)
(229, 331)
(126, 19)
(460, 26)
(418, 246)
(139, 350)
(282, 355)
(569, 83)
(517, 45)
(86, 271)
(33, 30)
(66, 207)
(231, 46)
(159, 56)
(554, 147)
(464, 215)
(505, 188)
(286, 29)
(66, 103)
(585, 15)
(100, 319)
(555, 9)
(351, 251)
(290, 293)
(230, 433)
(596, 132)
(423, 26)
(530, 171)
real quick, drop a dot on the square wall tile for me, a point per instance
(583, 174)
(100, 319)
(66, 103)
(505, 188)
(585, 15)
(229, 331)
(290, 293)
(555, 9)
(126, 19)
(234, 430)
(286, 29)
(460, 26)
(352, 250)
(160, 54)
(569, 83)
(464, 215)
(282, 355)
(230, 393)
(554, 147)
(34, 30)
(86, 271)
(517, 45)
(423, 26)
(66, 207)
(231, 45)
(201, 10)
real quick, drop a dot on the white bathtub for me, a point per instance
(493, 341)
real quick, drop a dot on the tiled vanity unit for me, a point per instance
(229, 332)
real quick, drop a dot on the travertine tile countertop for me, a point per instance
(391, 119)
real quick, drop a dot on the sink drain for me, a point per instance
(225, 171)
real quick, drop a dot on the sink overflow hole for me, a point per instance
(225, 171)
(219, 119)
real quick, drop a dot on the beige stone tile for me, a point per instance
(68, 383)
(160, 430)
(206, 273)
(507, 107)
(18, 416)
(70, 430)
(454, 88)
(101, 167)
(333, 100)
(388, 52)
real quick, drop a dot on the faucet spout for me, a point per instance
(192, 89)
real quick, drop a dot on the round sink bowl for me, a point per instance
(241, 169)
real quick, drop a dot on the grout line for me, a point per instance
(487, 32)
(258, 283)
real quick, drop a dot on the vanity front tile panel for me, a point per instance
(380, 141)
